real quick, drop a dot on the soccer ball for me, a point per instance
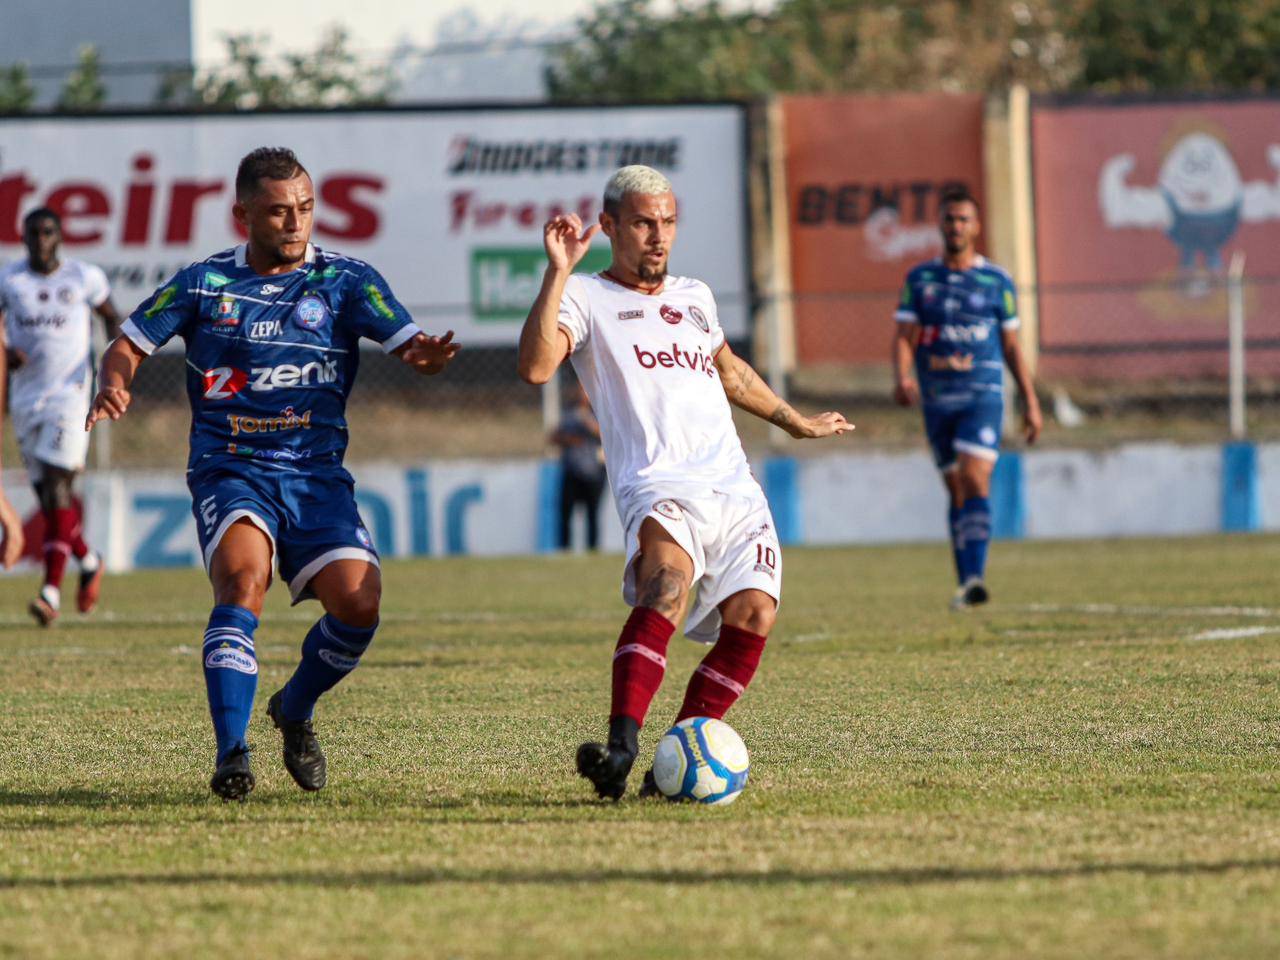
(703, 760)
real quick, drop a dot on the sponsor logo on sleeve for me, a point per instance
(378, 301)
(163, 299)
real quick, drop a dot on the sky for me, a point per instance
(457, 71)
(381, 24)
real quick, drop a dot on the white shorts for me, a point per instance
(54, 434)
(731, 540)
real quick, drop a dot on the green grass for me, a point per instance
(1040, 780)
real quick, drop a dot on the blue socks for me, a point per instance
(331, 651)
(230, 674)
(973, 534)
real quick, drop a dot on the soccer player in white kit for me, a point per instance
(47, 302)
(650, 352)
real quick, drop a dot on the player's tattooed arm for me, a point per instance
(746, 390)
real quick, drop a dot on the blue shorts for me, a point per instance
(310, 518)
(973, 428)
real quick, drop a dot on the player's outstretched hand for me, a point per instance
(428, 354)
(110, 403)
(906, 393)
(11, 538)
(824, 425)
(1032, 422)
(565, 241)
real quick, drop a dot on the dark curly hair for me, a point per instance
(266, 163)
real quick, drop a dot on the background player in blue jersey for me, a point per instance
(272, 331)
(957, 325)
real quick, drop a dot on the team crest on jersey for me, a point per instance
(363, 536)
(65, 294)
(669, 509)
(977, 301)
(311, 313)
(699, 318)
(227, 314)
(670, 314)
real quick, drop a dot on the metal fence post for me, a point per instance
(1235, 343)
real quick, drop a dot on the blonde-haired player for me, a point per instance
(650, 352)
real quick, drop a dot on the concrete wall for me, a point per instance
(486, 508)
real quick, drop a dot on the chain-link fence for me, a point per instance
(1100, 381)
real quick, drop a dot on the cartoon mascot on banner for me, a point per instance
(1199, 199)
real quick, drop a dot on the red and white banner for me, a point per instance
(448, 205)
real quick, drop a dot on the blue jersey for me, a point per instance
(961, 313)
(271, 359)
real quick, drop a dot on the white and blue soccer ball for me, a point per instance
(702, 760)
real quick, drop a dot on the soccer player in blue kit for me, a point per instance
(272, 330)
(957, 325)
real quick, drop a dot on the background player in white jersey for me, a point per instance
(48, 303)
(650, 352)
(11, 536)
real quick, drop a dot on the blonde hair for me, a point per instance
(636, 178)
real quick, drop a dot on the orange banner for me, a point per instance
(864, 174)
(1139, 209)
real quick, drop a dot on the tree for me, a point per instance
(84, 89)
(16, 92)
(330, 75)
(628, 51)
(1178, 44)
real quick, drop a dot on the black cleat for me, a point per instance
(606, 767)
(233, 780)
(650, 786)
(976, 592)
(303, 757)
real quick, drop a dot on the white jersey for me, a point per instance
(647, 362)
(49, 319)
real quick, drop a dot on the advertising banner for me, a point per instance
(448, 205)
(1139, 209)
(864, 174)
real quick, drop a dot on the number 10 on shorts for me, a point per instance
(766, 559)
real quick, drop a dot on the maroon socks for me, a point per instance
(723, 675)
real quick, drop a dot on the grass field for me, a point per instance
(1091, 768)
